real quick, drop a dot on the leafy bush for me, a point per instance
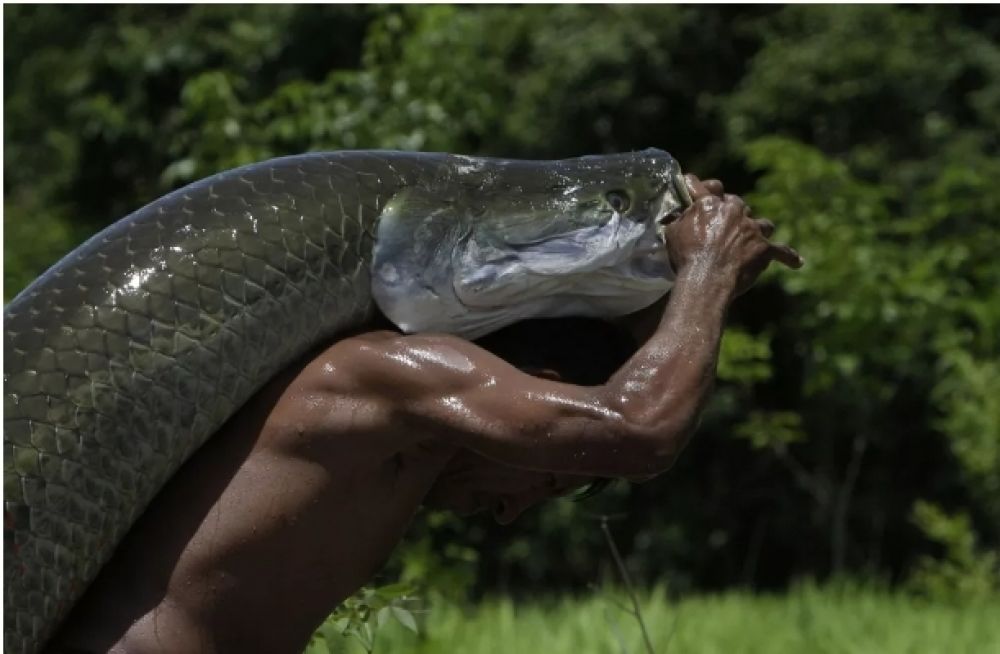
(964, 573)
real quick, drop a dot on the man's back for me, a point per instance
(337, 503)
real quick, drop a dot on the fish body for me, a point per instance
(129, 353)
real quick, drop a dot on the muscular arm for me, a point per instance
(636, 423)
(633, 425)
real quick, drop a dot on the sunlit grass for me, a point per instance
(808, 619)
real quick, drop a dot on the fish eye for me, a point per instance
(618, 200)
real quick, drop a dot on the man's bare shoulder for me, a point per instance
(358, 384)
(337, 401)
(369, 362)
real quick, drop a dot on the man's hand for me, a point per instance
(718, 239)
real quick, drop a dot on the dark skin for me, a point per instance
(300, 499)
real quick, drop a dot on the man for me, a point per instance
(303, 495)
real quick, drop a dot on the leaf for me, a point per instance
(368, 636)
(772, 429)
(395, 591)
(744, 358)
(405, 618)
(383, 616)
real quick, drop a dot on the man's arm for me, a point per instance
(636, 423)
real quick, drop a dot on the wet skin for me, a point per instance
(303, 495)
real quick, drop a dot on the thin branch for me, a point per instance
(622, 606)
(753, 552)
(805, 480)
(637, 612)
(839, 526)
(615, 630)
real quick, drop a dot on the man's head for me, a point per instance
(580, 351)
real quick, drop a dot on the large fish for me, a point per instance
(124, 357)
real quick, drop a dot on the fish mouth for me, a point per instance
(674, 201)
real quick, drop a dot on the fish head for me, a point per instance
(488, 242)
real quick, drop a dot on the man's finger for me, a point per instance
(766, 227)
(714, 187)
(696, 187)
(700, 188)
(786, 255)
(737, 199)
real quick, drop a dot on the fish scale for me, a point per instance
(152, 334)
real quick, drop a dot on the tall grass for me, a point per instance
(808, 619)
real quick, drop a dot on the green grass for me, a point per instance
(806, 620)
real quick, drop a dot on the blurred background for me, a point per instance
(843, 491)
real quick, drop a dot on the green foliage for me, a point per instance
(902, 281)
(362, 615)
(833, 619)
(967, 395)
(744, 358)
(435, 562)
(774, 429)
(873, 84)
(965, 573)
(848, 391)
